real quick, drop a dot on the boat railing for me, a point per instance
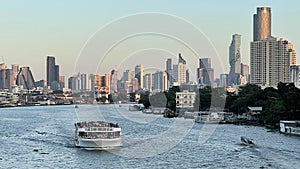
(99, 129)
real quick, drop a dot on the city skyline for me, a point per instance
(31, 31)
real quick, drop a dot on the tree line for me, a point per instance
(281, 103)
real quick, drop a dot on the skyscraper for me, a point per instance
(262, 23)
(52, 73)
(205, 74)
(270, 57)
(114, 81)
(179, 71)
(25, 78)
(148, 81)
(159, 81)
(270, 61)
(235, 60)
(139, 74)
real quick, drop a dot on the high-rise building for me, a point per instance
(295, 75)
(8, 76)
(148, 81)
(270, 61)
(114, 81)
(62, 82)
(74, 83)
(235, 60)
(169, 71)
(139, 74)
(179, 71)
(159, 81)
(52, 73)
(223, 80)
(25, 78)
(205, 74)
(262, 24)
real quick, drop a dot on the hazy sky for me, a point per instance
(32, 29)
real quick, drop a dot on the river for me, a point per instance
(42, 137)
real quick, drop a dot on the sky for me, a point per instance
(74, 30)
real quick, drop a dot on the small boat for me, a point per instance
(76, 106)
(246, 141)
(97, 135)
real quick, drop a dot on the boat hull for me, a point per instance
(98, 144)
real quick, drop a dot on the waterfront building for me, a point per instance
(25, 78)
(185, 99)
(270, 61)
(262, 23)
(235, 60)
(270, 57)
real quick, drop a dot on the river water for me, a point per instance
(42, 137)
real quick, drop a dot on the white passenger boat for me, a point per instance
(97, 135)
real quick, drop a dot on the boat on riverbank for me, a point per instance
(290, 127)
(210, 117)
(97, 135)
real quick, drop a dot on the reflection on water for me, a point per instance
(42, 137)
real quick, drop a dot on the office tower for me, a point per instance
(84, 81)
(235, 60)
(169, 71)
(159, 81)
(180, 59)
(294, 72)
(292, 55)
(205, 74)
(270, 61)
(62, 82)
(25, 78)
(52, 73)
(74, 83)
(139, 74)
(8, 76)
(262, 24)
(245, 72)
(179, 71)
(169, 64)
(148, 81)
(223, 80)
(102, 83)
(127, 75)
(187, 78)
(114, 81)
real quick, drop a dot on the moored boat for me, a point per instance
(97, 135)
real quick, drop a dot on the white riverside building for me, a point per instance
(185, 99)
